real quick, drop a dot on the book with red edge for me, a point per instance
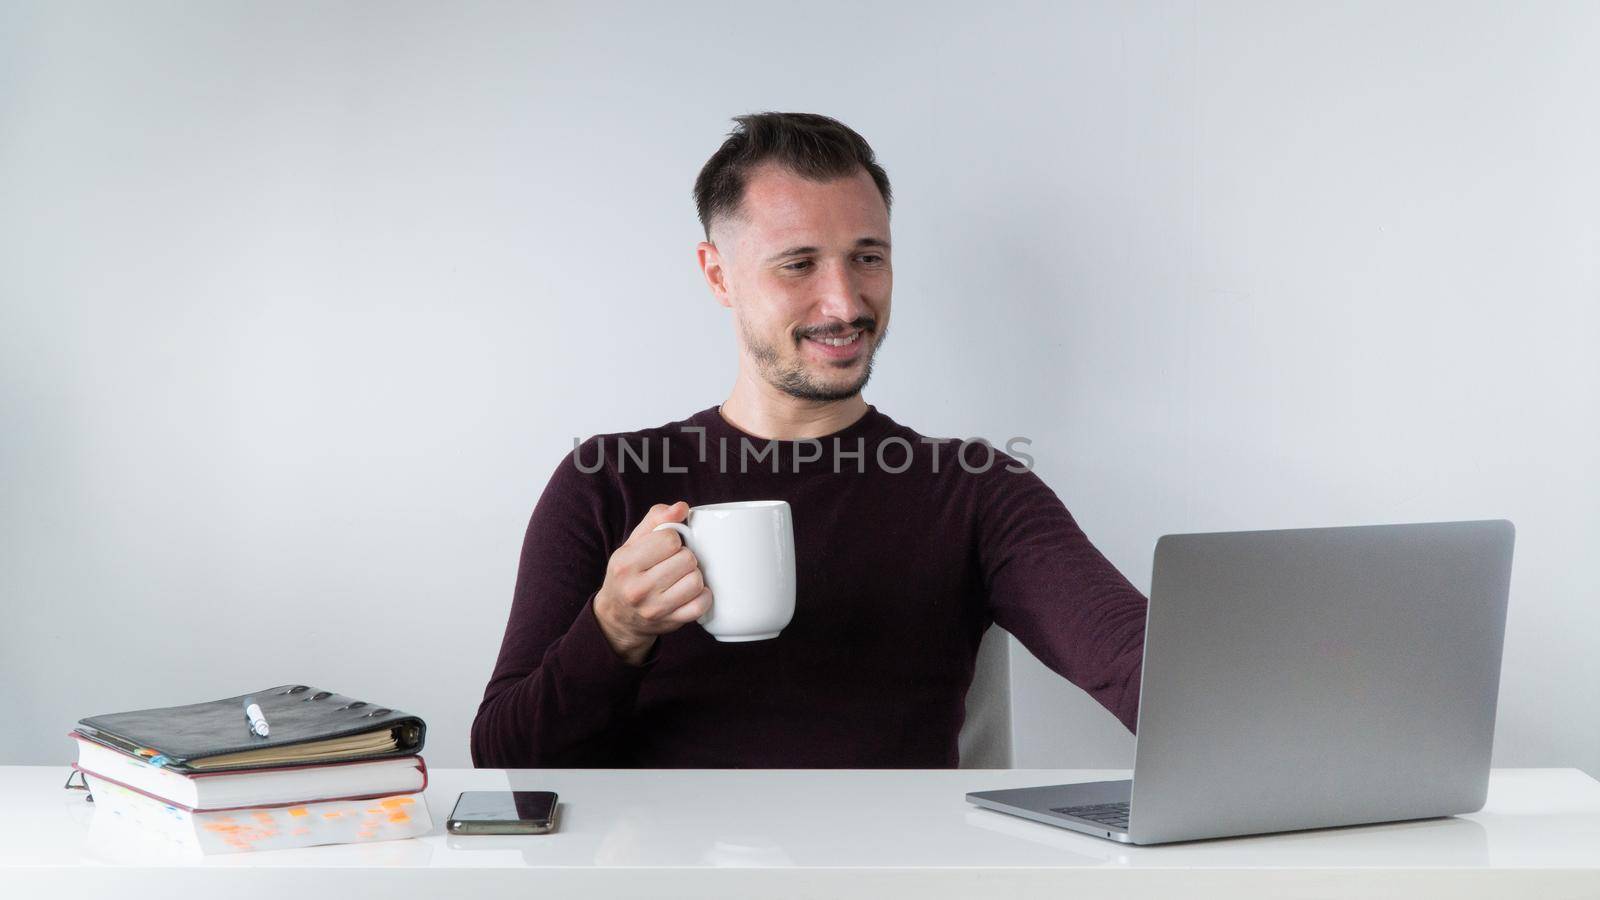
(258, 787)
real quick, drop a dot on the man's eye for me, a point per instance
(794, 266)
(872, 258)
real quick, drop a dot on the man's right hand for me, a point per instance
(653, 586)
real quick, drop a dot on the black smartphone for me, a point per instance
(503, 812)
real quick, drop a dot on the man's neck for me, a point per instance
(760, 409)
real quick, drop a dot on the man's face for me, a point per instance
(805, 268)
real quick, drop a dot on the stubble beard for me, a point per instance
(794, 379)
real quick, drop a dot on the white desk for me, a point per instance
(765, 833)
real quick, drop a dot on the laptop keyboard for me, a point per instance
(1112, 814)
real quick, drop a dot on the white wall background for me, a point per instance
(300, 303)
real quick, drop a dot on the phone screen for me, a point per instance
(504, 806)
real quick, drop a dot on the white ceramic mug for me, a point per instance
(746, 553)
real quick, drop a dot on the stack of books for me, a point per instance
(288, 766)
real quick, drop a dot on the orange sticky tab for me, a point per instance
(297, 811)
(401, 816)
(332, 815)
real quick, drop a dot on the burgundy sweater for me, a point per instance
(899, 573)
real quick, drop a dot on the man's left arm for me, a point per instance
(1050, 588)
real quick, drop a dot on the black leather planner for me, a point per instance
(305, 725)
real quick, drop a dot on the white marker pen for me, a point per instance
(258, 722)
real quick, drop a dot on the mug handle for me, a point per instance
(683, 533)
(683, 530)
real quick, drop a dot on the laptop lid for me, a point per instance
(1317, 677)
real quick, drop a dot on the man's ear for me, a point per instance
(715, 271)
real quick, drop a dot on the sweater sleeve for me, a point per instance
(1056, 593)
(559, 693)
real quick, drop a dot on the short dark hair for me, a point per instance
(807, 144)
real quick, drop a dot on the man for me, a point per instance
(907, 547)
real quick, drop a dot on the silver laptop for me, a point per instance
(1306, 678)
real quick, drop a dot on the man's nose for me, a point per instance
(841, 295)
